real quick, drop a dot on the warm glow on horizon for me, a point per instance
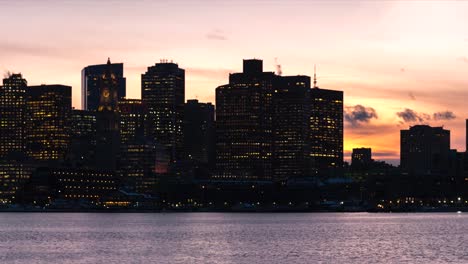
(407, 57)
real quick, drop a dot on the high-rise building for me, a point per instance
(425, 150)
(361, 158)
(326, 132)
(133, 120)
(48, 113)
(12, 115)
(199, 134)
(137, 151)
(108, 121)
(244, 137)
(83, 138)
(90, 84)
(291, 112)
(163, 93)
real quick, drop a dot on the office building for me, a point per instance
(48, 114)
(425, 150)
(361, 158)
(326, 132)
(83, 138)
(199, 134)
(12, 115)
(163, 93)
(244, 137)
(133, 120)
(291, 111)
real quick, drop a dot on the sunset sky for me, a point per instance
(399, 63)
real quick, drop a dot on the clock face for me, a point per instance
(106, 93)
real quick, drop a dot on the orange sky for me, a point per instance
(390, 57)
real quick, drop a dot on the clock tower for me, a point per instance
(108, 121)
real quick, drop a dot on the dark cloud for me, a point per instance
(216, 35)
(358, 114)
(446, 115)
(410, 116)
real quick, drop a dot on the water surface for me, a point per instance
(233, 238)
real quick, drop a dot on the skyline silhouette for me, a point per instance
(391, 59)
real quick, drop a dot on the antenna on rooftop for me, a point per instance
(315, 76)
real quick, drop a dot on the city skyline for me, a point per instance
(396, 61)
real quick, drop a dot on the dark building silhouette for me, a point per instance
(48, 113)
(291, 112)
(244, 124)
(108, 121)
(361, 158)
(70, 184)
(199, 133)
(137, 152)
(425, 150)
(12, 115)
(83, 138)
(133, 120)
(326, 132)
(163, 92)
(466, 135)
(90, 84)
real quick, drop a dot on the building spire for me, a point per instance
(108, 60)
(315, 76)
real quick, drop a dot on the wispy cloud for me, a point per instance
(358, 115)
(216, 34)
(463, 59)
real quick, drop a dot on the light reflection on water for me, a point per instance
(233, 238)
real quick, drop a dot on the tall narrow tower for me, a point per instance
(107, 121)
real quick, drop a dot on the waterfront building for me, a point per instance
(361, 158)
(12, 115)
(108, 121)
(163, 93)
(425, 150)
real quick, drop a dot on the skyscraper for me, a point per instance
(48, 113)
(244, 124)
(199, 141)
(108, 121)
(90, 84)
(133, 120)
(291, 112)
(425, 150)
(163, 92)
(83, 138)
(326, 132)
(12, 114)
